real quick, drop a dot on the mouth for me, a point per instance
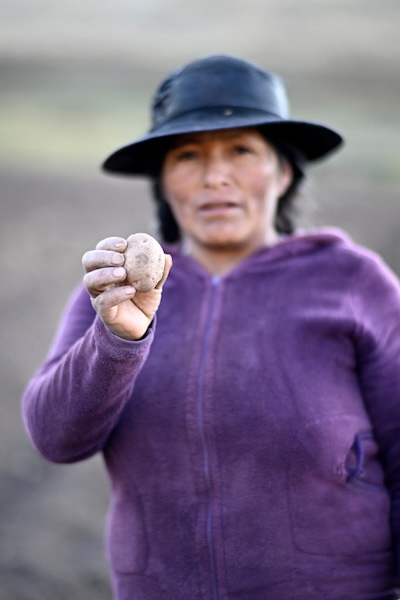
(218, 206)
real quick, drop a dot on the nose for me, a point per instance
(216, 171)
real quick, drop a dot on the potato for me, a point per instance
(144, 262)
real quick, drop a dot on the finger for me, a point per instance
(105, 303)
(99, 280)
(96, 259)
(167, 268)
(112, 243)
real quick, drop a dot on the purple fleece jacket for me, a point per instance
(252, 438)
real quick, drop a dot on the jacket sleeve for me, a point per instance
(75, 399)
(377, 312)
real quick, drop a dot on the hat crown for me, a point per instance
(219, 81)
(215, 93)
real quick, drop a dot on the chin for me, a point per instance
(219, 236)
(226, 243)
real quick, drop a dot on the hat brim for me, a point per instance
(143, 155)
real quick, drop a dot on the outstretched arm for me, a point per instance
(74, 401)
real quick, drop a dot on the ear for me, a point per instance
(286, 177)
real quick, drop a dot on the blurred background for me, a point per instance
(75, 82)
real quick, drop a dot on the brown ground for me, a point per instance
(60, 115)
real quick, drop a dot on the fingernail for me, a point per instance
(117, 259)
(119, 272)
(129, 290)
(119, 243)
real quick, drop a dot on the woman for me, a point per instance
(250, 421)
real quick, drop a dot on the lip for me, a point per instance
(218, 205)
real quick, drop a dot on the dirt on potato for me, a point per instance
(144, 262)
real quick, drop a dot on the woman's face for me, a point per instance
(223, 188)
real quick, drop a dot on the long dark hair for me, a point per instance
(285, 218)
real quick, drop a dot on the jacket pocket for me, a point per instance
(361, 466)
(337, 498)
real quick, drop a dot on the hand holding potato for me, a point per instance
(125, 310)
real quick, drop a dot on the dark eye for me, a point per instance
(242, 149)
(186, 155)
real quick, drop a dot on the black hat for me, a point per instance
(220, 92)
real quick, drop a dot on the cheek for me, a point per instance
(263, 195)
(177, 201)
(170, 190)
(268, 183)
(179, 210)
(180, 190)
(262, 188)
(175, 185)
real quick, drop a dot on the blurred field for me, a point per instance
(75, 81)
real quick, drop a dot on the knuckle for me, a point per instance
(101, 302)
(98, 279)
(87, 280)
(86, 258)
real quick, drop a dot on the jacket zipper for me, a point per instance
(200, 416)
